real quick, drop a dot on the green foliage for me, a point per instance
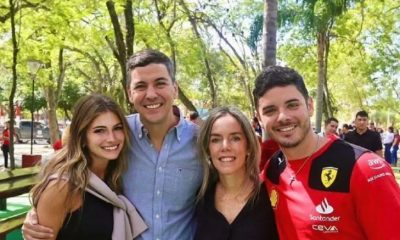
(363, 67)
(70, 95)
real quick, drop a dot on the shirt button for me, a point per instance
(160, 169)
(158, 192)
(157, 238)
(157, 216)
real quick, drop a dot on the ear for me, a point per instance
(176, 90)
(310, 106)
(130, 97)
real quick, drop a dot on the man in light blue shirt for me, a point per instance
(164, 171)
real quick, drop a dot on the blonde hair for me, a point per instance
(73, 159)
(203, 142)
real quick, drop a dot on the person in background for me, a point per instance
(320, 187)
(364, 137)
(195, 118)
(372, 127)
(5, 147)
(64, 137)
(232, 203)
(257, 128)
(345, 130)
(79, 194)
(387, 140)
(330, 127)
(395, 147)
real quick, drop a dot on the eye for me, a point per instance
(269, 111)
(139, 87)
(214, 140)
(99, 130)
(293, 105)
(118, 128)
(161, 84)
(236, 138)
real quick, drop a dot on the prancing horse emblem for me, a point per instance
(328, 176)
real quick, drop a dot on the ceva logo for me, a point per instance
(324, 207)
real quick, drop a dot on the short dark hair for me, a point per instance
(193, 115)
(331, 119)
(346, 126)
(362, 113)
(277, 76)
(146, 57)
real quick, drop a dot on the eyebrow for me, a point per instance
(234, 133)
(286, 102)
(102, 126)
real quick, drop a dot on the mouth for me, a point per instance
(286, 129)
(153, 106)
(111, 148)
(227, 159)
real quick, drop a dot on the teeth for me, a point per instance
(153, 106)
(286, 129)
(226, 159)
(111, 147)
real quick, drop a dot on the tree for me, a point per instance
(269, 35)
(12, 5)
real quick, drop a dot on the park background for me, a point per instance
(52, 52)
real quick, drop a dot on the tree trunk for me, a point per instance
(14, 82)
(269, 32)
(208, 71)
(321, 44)
(52, 116)
(122, 49)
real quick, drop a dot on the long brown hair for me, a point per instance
(73, 160)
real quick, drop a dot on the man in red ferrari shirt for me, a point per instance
(321, 187)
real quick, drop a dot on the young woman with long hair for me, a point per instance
(79, 194)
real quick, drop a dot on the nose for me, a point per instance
(282, 116)
(151, 92)
(111, 136)
(225, 144)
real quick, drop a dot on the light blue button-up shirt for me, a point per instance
(163, 184)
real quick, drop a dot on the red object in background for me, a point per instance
(268, 148)
(18, 109)
(30, 160)
(57, 145)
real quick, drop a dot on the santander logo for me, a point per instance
(324, 207)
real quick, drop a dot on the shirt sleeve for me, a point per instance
(376, 197)
(378, 143)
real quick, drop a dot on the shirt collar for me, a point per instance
(178, 129)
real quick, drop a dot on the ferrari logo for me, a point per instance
(328, 176)
(273, 198)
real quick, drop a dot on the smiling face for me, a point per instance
(228, 146)
(105, 137)
(331, 128)
(285, 114)
(152, 92)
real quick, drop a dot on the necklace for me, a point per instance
(293, 176)
(240, 195)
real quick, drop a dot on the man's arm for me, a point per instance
(379, 153)
(33, 231)
(376, 197)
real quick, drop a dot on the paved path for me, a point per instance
(40, 148)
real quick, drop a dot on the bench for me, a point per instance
(13, 183)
